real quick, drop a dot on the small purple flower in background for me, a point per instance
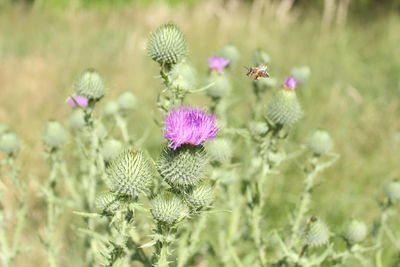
(290, 83)
(78, 100)
(187, 125)
(218, 63)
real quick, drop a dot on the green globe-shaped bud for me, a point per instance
(219, 149)
(90, 85)
(168, 208)
(101, 130)
(315, 232)
(260, 57)
(130, 173)
(320, 142)
(230, 52)
(111, 108)
(301, 73)
(184, 166)
(356, 231)
(107, 203)
(221, 85)
(392, 190)
(258, 127)
(183, 76)
(127, 101)
(77, 120)
(54, 134)
(201, 195)
(9, 143)
(284, 108)
(167, 45)
(111, 149)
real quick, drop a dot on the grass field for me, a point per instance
(353, 91)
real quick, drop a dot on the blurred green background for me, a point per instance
(352, 48)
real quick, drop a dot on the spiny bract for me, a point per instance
(130, 173)
(167, 45)
(201, 195)
(284, 107)
(107, 202)
(168, 208)
(90, 85)
(315, 232)
(184, 166)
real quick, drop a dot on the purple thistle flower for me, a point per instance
(187, 125)
(218, 63)
(290, 83)
(80, 100)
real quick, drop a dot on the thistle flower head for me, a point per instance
(187, 125)
(315, 232)
(111, 149)
(130, 173)
(392, 190)
(77, 120)
(78, 100)
(167, 45)
(218, 63)
(127, 101)
(54, 134)
(284, 108)
(356, 231)
(90, 85)
(219, 149)
(168, 208)
(111, 108)
(219, 85)
(230, 52)
(320, 142)
(290, 83)
(9, 143)
(107, 202)
(301, 73)
(201, 195)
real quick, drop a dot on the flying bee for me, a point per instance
(257, 72)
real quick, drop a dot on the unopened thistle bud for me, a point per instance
(183, 76)
(230, 52)
(167, 45)
(9, 143)
(127, 101)
(77, 120)
(130, 173)
(111, 149)
(284, 107)
(219, 149)
(315, 232)
(90, 85)
(201, 195)
(54, 134)
(356, 231)
(220, 85)
(107, 203)
(110, 108)
(258, 127)
(301, 73)
(260, 57)
(392, 190)
(320, 142)
(184, 166)
(168, 208)
(101, 130)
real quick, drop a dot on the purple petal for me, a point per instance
(80, 100)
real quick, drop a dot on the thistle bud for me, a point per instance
(260, 57)
(201, 195)
(110, 108)
(54, 134)
(127, 101)
(230, 52)
(315, 232)
(258, 127)
(392, 190)
(184, 166)
(130, 173)
(167, 45)
(262, 85)
(219, 149)
(168, 208)
(9, 143)
(284, 107)
(301, 73)
(183, 76)
(77, 120)
(107, 202)
(90, 85)
(111, 149)
(101, 130)
(356, 231)
(221, 85)
(320, 142)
